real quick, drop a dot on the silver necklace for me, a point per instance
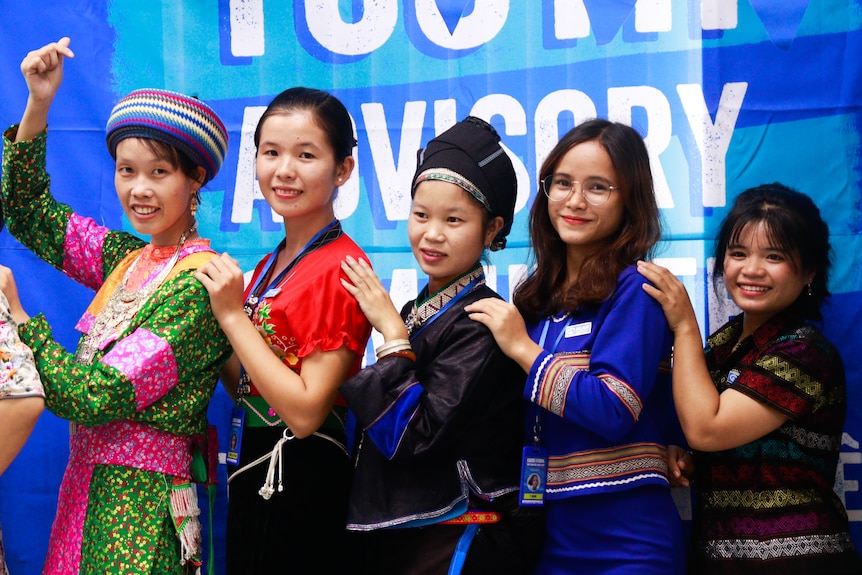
(123, 304)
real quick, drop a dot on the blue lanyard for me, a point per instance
(467, 289)
(559, 335)
(537, 423)
(254, 297)
(270, 262)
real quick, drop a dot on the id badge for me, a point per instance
(237, 420)
(534, 473)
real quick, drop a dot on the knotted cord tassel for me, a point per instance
(275, 459)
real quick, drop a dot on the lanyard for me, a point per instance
(330, 232)
(537, 423)
(464, 291)
(559, 335)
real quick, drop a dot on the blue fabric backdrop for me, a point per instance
(727, 94)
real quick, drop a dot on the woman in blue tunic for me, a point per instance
(597, 356)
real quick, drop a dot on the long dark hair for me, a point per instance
(542, 293)
(793, 224)
(328, 113)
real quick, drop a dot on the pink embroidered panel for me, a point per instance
(82, 251)
(149, 363)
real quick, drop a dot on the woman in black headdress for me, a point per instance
(440, 415)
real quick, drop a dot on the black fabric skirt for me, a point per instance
(285, 533)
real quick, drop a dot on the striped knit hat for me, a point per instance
(181, 121)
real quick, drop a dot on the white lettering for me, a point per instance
(620, 104)
(547, 115)
(394, 180)
(721, 307)
(347, 199)
(246, 28)
(713, 140)
(842, 484)
(403, 287)
(445, 115)
(517, 274)
(379, 18)
(719, 14)
(246, 189)
(653, 16)
(571, 20)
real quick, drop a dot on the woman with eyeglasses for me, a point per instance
(596, 350)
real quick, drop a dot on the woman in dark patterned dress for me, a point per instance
(764, 406)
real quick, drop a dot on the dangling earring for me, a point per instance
(810, 293)
(194, 206)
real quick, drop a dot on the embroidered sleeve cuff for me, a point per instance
(534, 378)
(35, 332)
(148, 362)
(18, 375)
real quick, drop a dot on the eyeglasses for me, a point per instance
(559, 188)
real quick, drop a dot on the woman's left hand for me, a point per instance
(223, 279)
(668, 291)
(508, 328)
(680, 466)
(373, 298)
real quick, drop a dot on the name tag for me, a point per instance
(579, 329)
(534, 474)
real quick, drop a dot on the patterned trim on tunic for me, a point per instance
(612, 466)
(780, 368)
(628, 396)
(554, 378)
(805, 438)
(424, 311)
(779, 547)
